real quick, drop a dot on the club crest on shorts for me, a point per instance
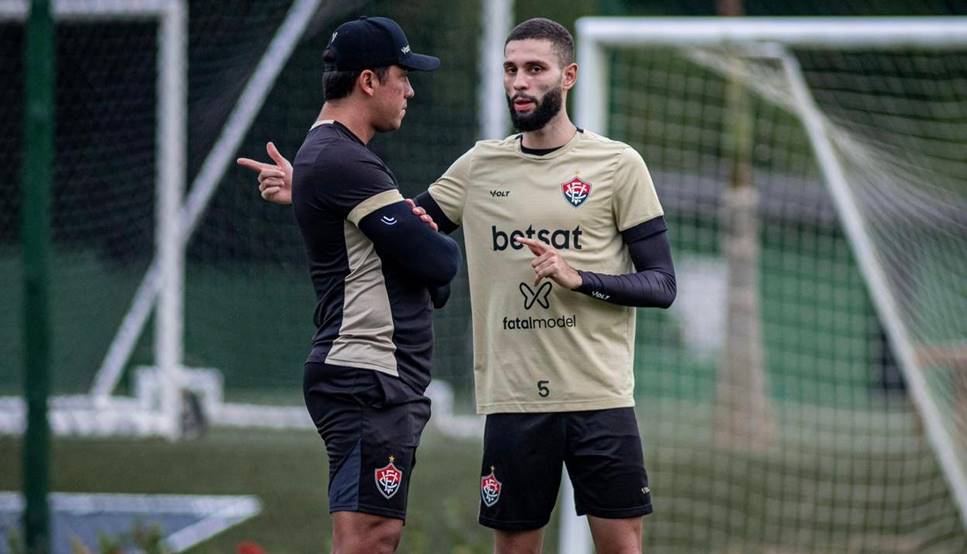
(388, 479)
(490, 488)
(576, 191)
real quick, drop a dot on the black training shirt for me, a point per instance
(371, 260)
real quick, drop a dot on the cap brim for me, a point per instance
(420, 62)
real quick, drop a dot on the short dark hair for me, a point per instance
(546, 29)
(339, 84)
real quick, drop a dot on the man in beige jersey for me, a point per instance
(564, 236)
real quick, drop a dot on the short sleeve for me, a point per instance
(450, 190)
(349, 184)
(373, 203)
(635, 200)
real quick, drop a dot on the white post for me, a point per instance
(171, 132)
(591, 101)
(573, 535)
(590, 112)
(172, 118)
(812, 32)
(890, 316)
(246, 109)
(938, 33)
(203, 188)
(494, 118)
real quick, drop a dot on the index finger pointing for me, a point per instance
(536, 247)
(252, 164)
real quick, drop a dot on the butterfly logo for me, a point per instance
(539, 296)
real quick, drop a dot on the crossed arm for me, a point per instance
(652, 284)
(392, 229)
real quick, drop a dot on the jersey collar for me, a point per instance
(565, 148)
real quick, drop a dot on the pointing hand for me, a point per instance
(549, 263)
(275, 180)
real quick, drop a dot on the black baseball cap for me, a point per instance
(370, 42)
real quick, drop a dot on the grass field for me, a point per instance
(876, 490)
(286, 470)
(852, 472)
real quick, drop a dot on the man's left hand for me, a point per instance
(549, 263)
(421, 213)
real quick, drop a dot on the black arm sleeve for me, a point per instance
(425, 201)
(398, 235)
(439, 295)
(653, 283)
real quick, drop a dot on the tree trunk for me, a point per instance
(743, 414)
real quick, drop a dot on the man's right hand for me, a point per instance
(275, 180)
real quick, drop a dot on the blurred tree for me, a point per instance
(743, 409)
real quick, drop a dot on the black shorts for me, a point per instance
(371, 423)
(521, 470)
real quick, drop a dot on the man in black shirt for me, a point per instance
(377, 270)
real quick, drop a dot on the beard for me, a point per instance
(545, 109)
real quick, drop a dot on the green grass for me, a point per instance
(288, 471)
(876, 488)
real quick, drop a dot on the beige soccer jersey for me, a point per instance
(544, 348)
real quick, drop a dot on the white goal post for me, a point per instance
(172, 143)
(159, 411)
(595, 34)
(156, 405)
(773, 39)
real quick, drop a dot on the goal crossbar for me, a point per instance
(90, 10)
(812, 32)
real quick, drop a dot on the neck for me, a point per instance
(352, 117)
(557, 132)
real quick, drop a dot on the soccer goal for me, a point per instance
(123, 210)
(814, 175)
(176, 289)
(157, 30)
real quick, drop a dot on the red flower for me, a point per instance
(249, 547)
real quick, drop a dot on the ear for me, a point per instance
(570, 76)
(367, 82)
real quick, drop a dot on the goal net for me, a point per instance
(807, 391)
(132, 178)
(178, 293)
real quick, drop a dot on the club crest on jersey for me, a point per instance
(576, 191)
(388, 479)
(490, 488)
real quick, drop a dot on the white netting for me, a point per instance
(247, 297)
(781, 421)
(110, 70)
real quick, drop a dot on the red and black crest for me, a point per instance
(388, 479)
(490, 488)
(576, 191)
